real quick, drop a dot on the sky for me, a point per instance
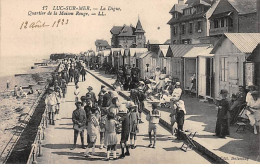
(81, 32)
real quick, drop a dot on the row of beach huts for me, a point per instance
(232, 62)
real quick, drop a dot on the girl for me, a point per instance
(92, 132)
(110, 135)
(134, 119)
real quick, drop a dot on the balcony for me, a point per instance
(219, 31)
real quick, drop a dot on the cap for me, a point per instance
(178, 84)
(255, 93)
(223, 91)
(103, 86)
(78, 102)
(90, 88)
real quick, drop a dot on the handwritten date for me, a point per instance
(41, 24)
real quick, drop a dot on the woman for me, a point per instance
(110, 135)
(134, 119)
(157, 74)
(222, 124)
(180, 113)
(253, 110)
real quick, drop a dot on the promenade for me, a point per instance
(59, 140)
(201, 118)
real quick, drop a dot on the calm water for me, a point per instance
(17, 65)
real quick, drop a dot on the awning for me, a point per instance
(197, 51)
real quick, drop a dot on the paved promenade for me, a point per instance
(201, 118)
(59, 139)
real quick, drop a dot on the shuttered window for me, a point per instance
(224, 69)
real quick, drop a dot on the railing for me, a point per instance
(219, 31)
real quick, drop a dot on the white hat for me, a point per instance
(122, 109)
(141, 82)
(178, 83)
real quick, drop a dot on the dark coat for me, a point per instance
(79, 118)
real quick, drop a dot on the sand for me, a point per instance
(13, 110)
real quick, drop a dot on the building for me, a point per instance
(233, 16)
(101, 45)
(128, 36)
(189, 21)
(231, 53)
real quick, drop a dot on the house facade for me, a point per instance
(189, 21)
(101, 45)
(128, 36)
(233, 16)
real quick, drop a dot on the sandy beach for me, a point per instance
(12, 109)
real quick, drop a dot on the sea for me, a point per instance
(10, 66)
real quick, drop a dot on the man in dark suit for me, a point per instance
(91, 94)
(79, 122)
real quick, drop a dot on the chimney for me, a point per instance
(181, 2)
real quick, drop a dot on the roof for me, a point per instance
(151, 42)
(163, 49)
(178, 8)
(127, 31)
(116, 30)
(167, 42)
(180, 50)
(192, 3)
(139, 27)
(148, 53)
(116, 50)
(255, 53)
(245, 42)
(244, 6)
(101, 42)
(240, 6)
(196, 51)
(133, 51)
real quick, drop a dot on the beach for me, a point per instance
(12, 109)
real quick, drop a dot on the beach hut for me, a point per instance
(116, 53)
(144, 64)
(176, 54)
(231, 52)
(195, 65)
(106, 54)
(162, 59)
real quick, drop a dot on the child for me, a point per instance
(92, 132)
(153, 118)
(110, 135)
(76, 93)
(102, 125)
(134, 119)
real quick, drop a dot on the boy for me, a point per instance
(153, 118)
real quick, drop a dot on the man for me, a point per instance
(71, 73)
(83, 73)
(51, 102)
(153, 117)
(222, 124)
(91, 94)
(79, 122)
(88, 111)
(123, 112)
(141, 97)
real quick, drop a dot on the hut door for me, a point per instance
(209, 77)
(223, 70)
(233, 66)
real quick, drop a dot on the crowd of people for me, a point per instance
(106, 116)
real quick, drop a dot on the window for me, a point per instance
(183, 29)
(224, 69)
(175, 30)
(190, 28)
(175, 15)
(199, 26)
(222, 21)
(139, 36)
(230, 22)
(216, 24)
